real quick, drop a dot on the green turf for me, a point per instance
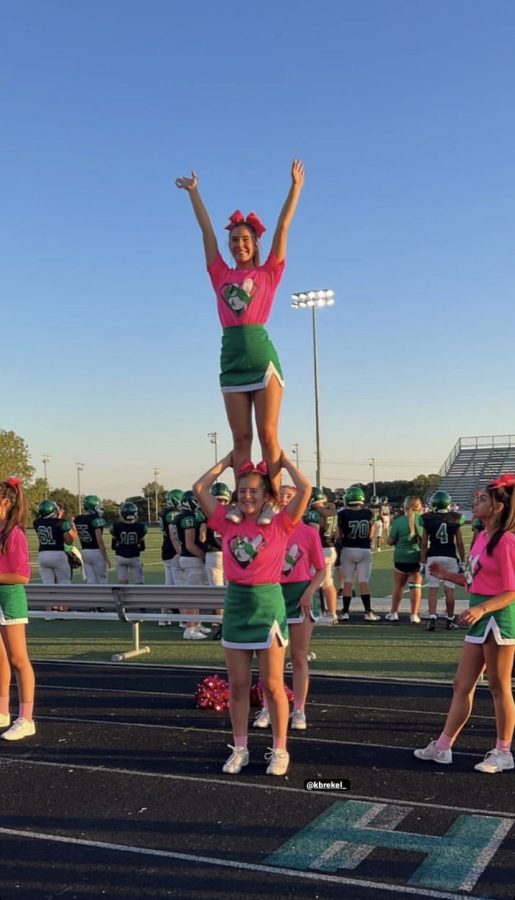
(398, 651)
(380, 650)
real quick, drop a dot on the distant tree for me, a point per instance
(111, 511)
(35, 493)
(143, 507)
(14, 457)
(149, 492)
(63, 497)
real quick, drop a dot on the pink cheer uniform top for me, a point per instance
(244, 300)
(487, 576)
(304, 556)
(254, 609)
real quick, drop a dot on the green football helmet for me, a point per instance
(374, 500)
(189, 502)
(129, 511)
(93, 504)
(440, 501)
(173, 499)
(317, 496)
(354, 496)
(48, 509)
(222, 491)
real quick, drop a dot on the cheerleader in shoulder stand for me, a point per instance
(14, 613)
(490, 639)
(254, 611)
(251, 376)
(303, 573)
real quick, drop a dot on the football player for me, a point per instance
(442, 543)
(191, 560)
(90, 527)
(327, 530)
(53, 532)
(356, 533)
(128, 541)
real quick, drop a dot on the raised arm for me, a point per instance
(208, 235)
(280, 238)
(202, 487)
(300, 500)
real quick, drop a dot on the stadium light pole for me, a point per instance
(213, 437)
(295, 451)
(45, 460)
(156, 473)
(372, 463)
(80, 467)
(315, 300)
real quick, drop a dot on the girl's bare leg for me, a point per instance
(470, 667)
(238, 664)
(499, 667)
(267, 406)
(238, 407)
(271, 670)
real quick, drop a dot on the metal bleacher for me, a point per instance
(473, 462)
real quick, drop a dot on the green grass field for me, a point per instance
(402, 651)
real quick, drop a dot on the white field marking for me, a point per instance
(111, 723)
(187, 667)
(233, 782)
(396, 889)
(312, 705)
(486, 855)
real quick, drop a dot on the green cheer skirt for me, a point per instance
(501, 623)
(248, 359)
(254, 616)
(292, 592)
(14, 609)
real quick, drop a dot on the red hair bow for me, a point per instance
(13, 482)
(248, 468)
(504, 481)
(252, 220)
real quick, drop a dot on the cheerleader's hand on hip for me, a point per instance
(187, 184)
(470, 616)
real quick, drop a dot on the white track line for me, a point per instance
(318, 877)
(312, 705)
(234, 782)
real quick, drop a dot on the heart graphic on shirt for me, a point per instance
(293, 554)
(238, 296)
(245, 549)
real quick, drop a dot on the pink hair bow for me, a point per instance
(13, 482)
(248, 468)
(252, 220)
(504, 481)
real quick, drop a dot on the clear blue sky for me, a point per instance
(402, 111)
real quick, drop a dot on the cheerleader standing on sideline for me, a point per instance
(251, 374)
(254, 611)
(14, 573)
(304, 556)
(490, 639)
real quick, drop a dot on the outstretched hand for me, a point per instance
(187, 184)
(297, 173)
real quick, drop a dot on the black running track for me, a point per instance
(121, 794)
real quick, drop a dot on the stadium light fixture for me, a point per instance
(315, 300)
(45, 460)
(80, 467)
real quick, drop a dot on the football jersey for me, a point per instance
(184, 522)
(355, 525)
(86, 526)
(128, 538)
(168, 520)
(441, 529)
(50, 533)
(327, 524)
